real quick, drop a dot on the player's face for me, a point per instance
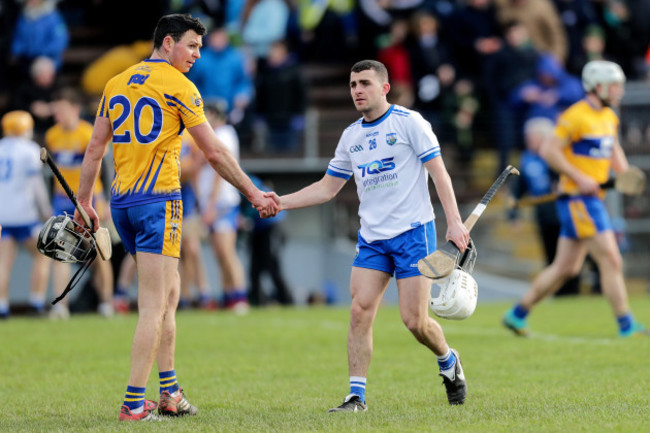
(65, 113)
(367, 90)
(616, 92)
(186, 51)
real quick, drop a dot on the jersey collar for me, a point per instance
(378, 121)
(157, 61)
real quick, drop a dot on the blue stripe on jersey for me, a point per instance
(157, 61)
(378, 121)
(338, 174)
(66, 161)
(102, 110)
(586, 147)
(155, 178)
(177, 101)
(430, 156)
(401, 112)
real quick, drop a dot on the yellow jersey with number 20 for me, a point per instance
(149, 105)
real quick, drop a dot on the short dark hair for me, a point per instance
(69, 94)
(374, 65)
(175, 25)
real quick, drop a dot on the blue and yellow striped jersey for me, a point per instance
(590, 136)
(149, 105)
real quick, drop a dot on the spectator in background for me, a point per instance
(282, 98)
(433, 72)
(542, 21)
(35, 95)
(9, 11)
(577, 17)
(394, 54)
(475, 33)
(266, 240)
(222, 74)
(550, 92)
(263, 22)
(512, 65)
(538, 179)
(25, 205)
(593, 48)
(40, 31)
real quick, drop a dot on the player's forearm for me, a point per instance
(228, 168)
(447, 198)
(314, 194)
(89, 172)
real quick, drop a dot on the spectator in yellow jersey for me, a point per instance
(67, 141)
(584, 148)
(143, 112)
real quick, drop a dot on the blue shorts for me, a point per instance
(582, 217)
(151, 228)
(226, 220)
(398, 255)
(21, 233)
(61, 204)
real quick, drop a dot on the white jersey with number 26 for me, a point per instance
(386, 157)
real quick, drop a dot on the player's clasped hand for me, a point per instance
(269, 205)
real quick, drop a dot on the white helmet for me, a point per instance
(457, 299)
(601, 72)
(459, 291)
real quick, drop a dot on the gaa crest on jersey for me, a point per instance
(196, 98)
(391, 138)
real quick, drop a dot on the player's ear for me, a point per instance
(168, 43)
(386, 88)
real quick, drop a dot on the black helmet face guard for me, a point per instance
(66, 241)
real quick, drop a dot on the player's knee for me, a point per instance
(415, 324)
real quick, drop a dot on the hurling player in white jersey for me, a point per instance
(24, 204)
(219, 202)
(390, 151)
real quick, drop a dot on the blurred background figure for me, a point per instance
(266, 240)
(551, 91)
(538, 179)
(40, 31)
(513, 64)
(394, 54)
(35, 94)
(192, 267)
(281, 100)
(541, 19)
(219, 202)
(263, 23)
(222, 74)
(25, 205)
(67, 141)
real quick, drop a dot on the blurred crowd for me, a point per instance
(466, 65)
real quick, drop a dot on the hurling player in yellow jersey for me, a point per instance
(584, 149)
(144, 111)
(67, 140)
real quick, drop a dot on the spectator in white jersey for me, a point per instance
(24, 205)
(389, 152)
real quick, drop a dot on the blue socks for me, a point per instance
(519, 312)
(625, 323)
(446, 361)
(168, 381)
(358, 387)
(134, 398)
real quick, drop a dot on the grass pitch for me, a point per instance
(279, 370)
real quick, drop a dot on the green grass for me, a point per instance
(279, 370)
